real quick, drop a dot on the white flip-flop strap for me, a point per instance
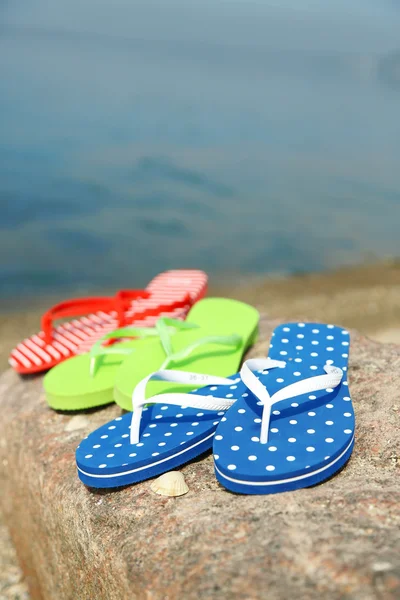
(185, 378)
(252, 382)
(312, 384)
(181, 399)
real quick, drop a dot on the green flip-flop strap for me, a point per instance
(162, 330)
(163, 327)
(234, 341)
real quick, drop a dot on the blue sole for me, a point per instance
(285, 486)
(170, 436)
(149, 471)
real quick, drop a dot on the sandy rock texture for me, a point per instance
(338, 540)
(12, 583)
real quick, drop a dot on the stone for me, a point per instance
(337, 540)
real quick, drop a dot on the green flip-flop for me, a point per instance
(217, 334)
(87, 380)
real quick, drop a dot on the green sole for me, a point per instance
(69, 386)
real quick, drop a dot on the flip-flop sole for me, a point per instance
(69, 385)
(310, 436)
(285, 485)
(170, 436)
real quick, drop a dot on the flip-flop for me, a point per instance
(176, 428)
(221, 330)
(87, 381)
(170, 294)
(295, 426)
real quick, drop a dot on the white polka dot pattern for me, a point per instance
(302, 429)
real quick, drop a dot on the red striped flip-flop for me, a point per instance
(170, 294)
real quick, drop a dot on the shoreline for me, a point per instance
(378, 271)
(364, 297)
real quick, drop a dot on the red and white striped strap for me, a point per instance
(83, 306)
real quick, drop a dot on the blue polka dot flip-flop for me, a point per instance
(294, 426)
(176, 428)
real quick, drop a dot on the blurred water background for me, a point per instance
(234, 136)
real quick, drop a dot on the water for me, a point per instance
(238, 137)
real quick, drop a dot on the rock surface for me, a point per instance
(12, 584)
(338, 540)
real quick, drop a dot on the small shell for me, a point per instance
(170, 484)
(77, 422)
